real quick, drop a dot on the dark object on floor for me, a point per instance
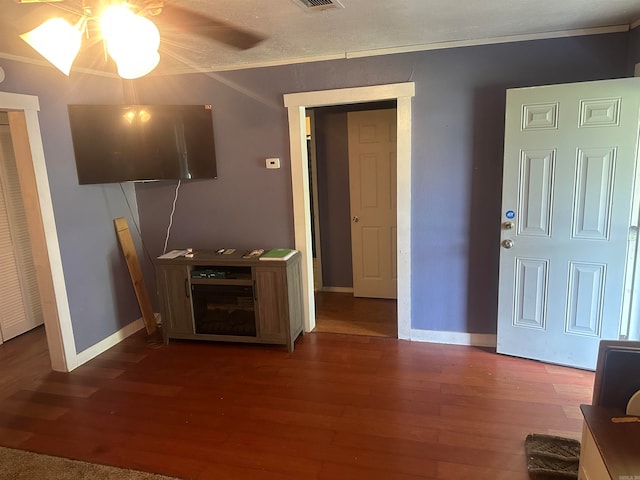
(552, 458)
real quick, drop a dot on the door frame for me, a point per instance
(318, 277)
(296, 103)
(29, 152)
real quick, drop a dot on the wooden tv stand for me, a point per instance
(610, 451)
(223, 297)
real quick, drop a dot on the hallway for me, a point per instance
(344, 313)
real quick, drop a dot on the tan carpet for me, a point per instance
(21, 465)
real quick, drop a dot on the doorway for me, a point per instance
(343, 313)
(22, 112)
(297, 103)
(338, 180)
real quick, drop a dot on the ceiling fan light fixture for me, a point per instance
(130, 39)
(57, 40)
(136, 67)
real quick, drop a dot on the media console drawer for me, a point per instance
(211, 296)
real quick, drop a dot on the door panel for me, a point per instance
(585, 298)
(531, 286)
(568, 186)
(372, 184)
(175, 297)
(594, 185)
(536, 177)
(271, 285)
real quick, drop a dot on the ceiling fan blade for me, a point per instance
(183, 20)
(32, 14)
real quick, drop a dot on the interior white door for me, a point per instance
(568, 192)
(372, 184)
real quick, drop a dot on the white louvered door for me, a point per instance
(20, 307)
(568, 233)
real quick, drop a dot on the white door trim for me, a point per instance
(313, 161)
(60, 337)
(296, 103)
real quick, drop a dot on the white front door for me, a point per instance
(372, 184)
(568, 188)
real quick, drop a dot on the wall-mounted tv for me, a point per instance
(120, 143)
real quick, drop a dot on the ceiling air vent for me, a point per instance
(320, 4)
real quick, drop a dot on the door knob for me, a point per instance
(508, 243)
(356, 219)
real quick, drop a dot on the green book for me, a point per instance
(278, 254)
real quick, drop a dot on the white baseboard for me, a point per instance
(108, 342)
(454, 338)
(338, 289)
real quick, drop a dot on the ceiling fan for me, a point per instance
(169, 20)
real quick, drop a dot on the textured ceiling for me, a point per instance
(293, 34)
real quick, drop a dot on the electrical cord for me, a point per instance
(173, 210)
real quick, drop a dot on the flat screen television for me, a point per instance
(120, 143)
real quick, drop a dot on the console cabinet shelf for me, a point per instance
(215, 281)
(219, 297)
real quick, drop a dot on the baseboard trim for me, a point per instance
(434, 336)
(107, 343)
(454, 338)
(338, 289)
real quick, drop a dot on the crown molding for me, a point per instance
(363, 53)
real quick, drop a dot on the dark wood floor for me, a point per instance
(344, 313)
(338, 407)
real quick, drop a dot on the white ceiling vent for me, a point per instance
(319, 4)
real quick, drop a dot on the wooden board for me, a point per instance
(129, 251)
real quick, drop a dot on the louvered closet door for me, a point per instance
(20, 308)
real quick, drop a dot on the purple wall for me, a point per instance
(247, 206)
(101, 297)
(458, 125)
(634, 49)
(457, 161)
(332, 152)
